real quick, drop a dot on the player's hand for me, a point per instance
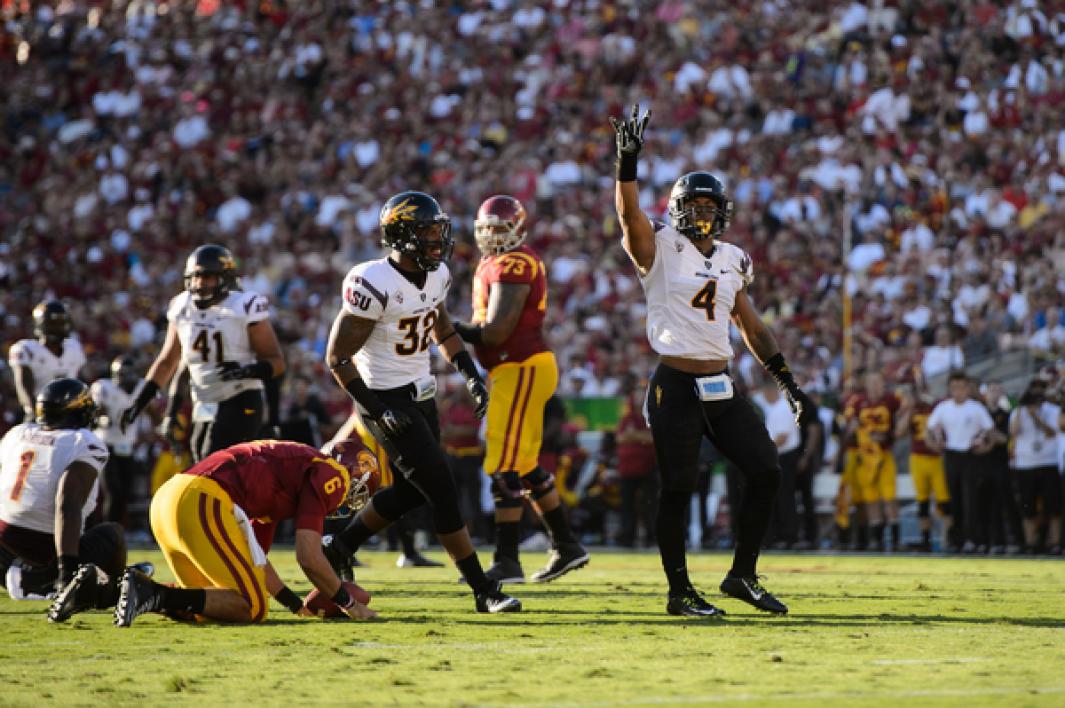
(128, 416)
(628, 134)
(306, 612)
(232, 371)
(358, 611)
(394, 423)
(479, 394)
(799, 403)
(171, 429)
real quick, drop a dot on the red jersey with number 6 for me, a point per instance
(522, 267)
(273, 480)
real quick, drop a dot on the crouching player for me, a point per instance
(201, 520)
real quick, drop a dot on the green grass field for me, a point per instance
(862, 631)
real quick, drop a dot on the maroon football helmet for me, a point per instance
(500, 225)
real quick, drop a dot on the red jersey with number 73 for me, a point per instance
(522, 267)
(273, 480)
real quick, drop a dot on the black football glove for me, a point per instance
(393, 423)
(800, 403)
(479, 394)
(232, 371)
(628, 134)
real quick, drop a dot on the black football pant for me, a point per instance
(118, 480)
(103, 545)
(419, 466)
(238, 420)
(679, 421)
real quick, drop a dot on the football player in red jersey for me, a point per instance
(926, 464)
(202, 520)
(874, 424)
(509, 304)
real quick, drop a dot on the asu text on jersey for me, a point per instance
(690, 295)
(214, 335)
(522, 266)
(397, 352)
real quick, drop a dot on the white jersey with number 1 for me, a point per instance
(32, 461)
(397, 352)
(690, 295)
(216, 334)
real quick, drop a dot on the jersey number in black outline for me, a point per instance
(414, 342)
(201, 345)
(704, 299)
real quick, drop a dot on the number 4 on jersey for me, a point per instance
(704, 299)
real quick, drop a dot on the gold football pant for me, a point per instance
(515, 425)
(929, 477)
(193, 522)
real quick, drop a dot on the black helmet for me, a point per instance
(124, 370)
(65, 403)
(51, 321)
(407, 219)
(684, 215)
(211, 259)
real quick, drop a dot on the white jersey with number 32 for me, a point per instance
(690, 296)
(217, 334)
(397, 352)
(32, 461)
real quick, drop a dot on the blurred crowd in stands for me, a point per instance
(910, 155)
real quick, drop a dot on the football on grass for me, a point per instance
(319, 604)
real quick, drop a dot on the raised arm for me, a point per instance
(637, 233)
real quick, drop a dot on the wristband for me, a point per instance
(472, 333)
(778, 369)
(289, 599)
(625, 167)
(342, 599)
(362, 394)
(68, 565)
(146, 395)
(463, 363)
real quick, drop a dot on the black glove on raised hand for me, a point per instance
(393, 423)
(145, 397)
(232, 371)
(479, 393)
(628, 140)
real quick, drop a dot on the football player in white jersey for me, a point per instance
(378, 352)
(223, 335)
(48, 483)
(114, 395)
(695, 286)
(53, 354)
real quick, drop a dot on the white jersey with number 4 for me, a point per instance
(690, 295)
(217, 334)
(45, 365)
(397, 352)
(112, 399)
(32, 461)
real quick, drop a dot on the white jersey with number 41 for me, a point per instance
(217, 334)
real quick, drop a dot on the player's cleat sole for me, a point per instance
(77, 596)
(507, 571)
(691, 604)
(145, 567)
(751, 591)
(495, 601)
(137, 595)
(417, 561)
(564, 559)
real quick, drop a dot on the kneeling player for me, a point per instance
(201, 520)
(48, 486)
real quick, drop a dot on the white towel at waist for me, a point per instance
(257, 553)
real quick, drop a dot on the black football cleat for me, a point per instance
(78, 595)
(506, 571)
(562, 560)
(416, 561)
(145, 567)
(339, 557)
(137, 595)
(751, 591)
(494, 600)
(691, 604)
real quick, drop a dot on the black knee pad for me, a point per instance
(507, 490)
(539, 482)
(924, 509)
(104, 545)
(944, 508)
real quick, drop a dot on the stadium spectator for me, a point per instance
(1034, 427)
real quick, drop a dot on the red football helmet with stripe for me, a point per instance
(500, 225)
(365, 473)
